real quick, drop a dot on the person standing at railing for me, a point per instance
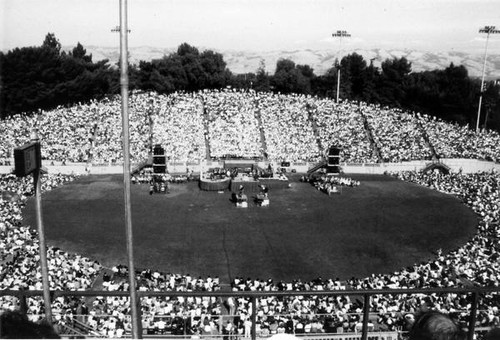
(228, 330)
(247, 324)
(230, 305)
(81, 312)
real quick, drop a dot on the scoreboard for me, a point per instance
(27, 158)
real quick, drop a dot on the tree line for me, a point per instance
(44, 77)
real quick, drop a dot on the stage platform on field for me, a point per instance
(214, 185)
(250, 184)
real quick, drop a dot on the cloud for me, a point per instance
(350, 40)
(483, 39)
(356, 40)
(300, 42)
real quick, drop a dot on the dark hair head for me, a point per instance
(493, 334)
(15, 325)
(434, 326)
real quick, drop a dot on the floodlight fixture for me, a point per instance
(339, 34)
(488, 30)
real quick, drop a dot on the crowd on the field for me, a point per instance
(330, 184)
(293, 128)
(213, 124)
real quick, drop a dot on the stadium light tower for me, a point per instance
(340, 35)
(488, 30)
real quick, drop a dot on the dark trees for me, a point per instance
(353, 77)
(393, 81)
(186, 70)
(449, 94)
(262, 79)
(44, 77)
(291, 78)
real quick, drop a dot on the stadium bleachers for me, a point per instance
(236, 122)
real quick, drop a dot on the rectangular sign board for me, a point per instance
(27, 158)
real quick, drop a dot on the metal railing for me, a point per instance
(475, 293)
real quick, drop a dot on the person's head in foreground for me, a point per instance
(435, 326)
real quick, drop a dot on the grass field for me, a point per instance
(381, 226)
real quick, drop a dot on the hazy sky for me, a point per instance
(255, 24)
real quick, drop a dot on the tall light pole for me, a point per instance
(488, 30)
(340, 35)
(134, 302)
(37, 183)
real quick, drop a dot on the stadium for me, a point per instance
(202, 204)
(418, 208)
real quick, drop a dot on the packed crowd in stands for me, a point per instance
(288, 131)
(342, 125)
(160, 314)
(179, 126)
(19, 256)
(232, 125)
(211, 124)
(396, 133)
(452, 140)
(293, 128)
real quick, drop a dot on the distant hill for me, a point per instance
(319, 60)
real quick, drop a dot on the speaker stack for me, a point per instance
(333, 162)
(159, 160)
